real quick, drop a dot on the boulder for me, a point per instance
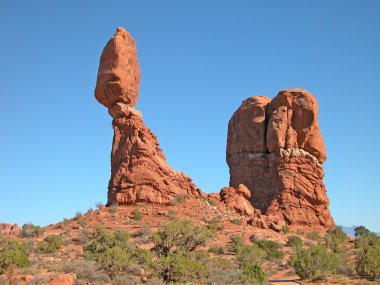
(238, 199)
(119, 71)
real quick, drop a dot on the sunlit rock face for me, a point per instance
(139, 171)
(276, 149)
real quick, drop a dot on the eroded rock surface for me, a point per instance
(238, 199)
(139, 171)
(276, 149)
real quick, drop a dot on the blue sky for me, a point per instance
(199, 60)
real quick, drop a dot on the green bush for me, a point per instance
(285, 229)
(179, 268)
(216, 249)
(114, 209)
(172, 214)
(219, 264)
(367, 241)
(179, 199)
(12, 254)
(253, 273)
(237, 222)
(247, 253)
(126, 280)
(86, 271)
(30, 230)
(314, 236)
(137, 216)
(230, 277)
(78, 215)
(180, 236)
(215, 224)
(314, 263)
(335, 239)
(368, 259)
(114, 253)
(294, 241)
(271, 248)
(361, 231)
(50, 244)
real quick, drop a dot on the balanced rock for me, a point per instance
(119, 71)
(139, 171)
(276, 149)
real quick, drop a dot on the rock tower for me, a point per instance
(275, 148)
(139, 171)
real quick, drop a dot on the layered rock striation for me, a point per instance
(139, 171)
(276, 149)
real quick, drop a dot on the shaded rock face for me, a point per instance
(139, 171)
(276, 149)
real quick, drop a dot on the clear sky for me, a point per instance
(199, 60)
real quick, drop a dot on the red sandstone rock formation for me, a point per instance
(8, 229)
(139, 171)
(276, 149)
(238, 199)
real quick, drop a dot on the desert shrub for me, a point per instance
(154, 281)
(294, 241)
(314, 236)
(216, 249)
(99, 205)
(179, 268)
(50, 244)
(231, 277)
(237, 222)
(368, 258)
(271, 248)
(114, 209)
(99, 230)
(172, 214)
(247, 253)
(126, 279)
(84, 236)
(365, 242)
(335, 239)
(299, 233)
(85, 270)
(254, 238)
(145, 231)
(215, 224)
(253, 273)
(39, 280)
(114, 253)
(285, 229)
(314, 263)
(78, 215)
(136, 215)
(30, 230)
(219, 264)
(12, 254)
(83, 223)
(361, 231)
(179, 199)
(181, 235)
